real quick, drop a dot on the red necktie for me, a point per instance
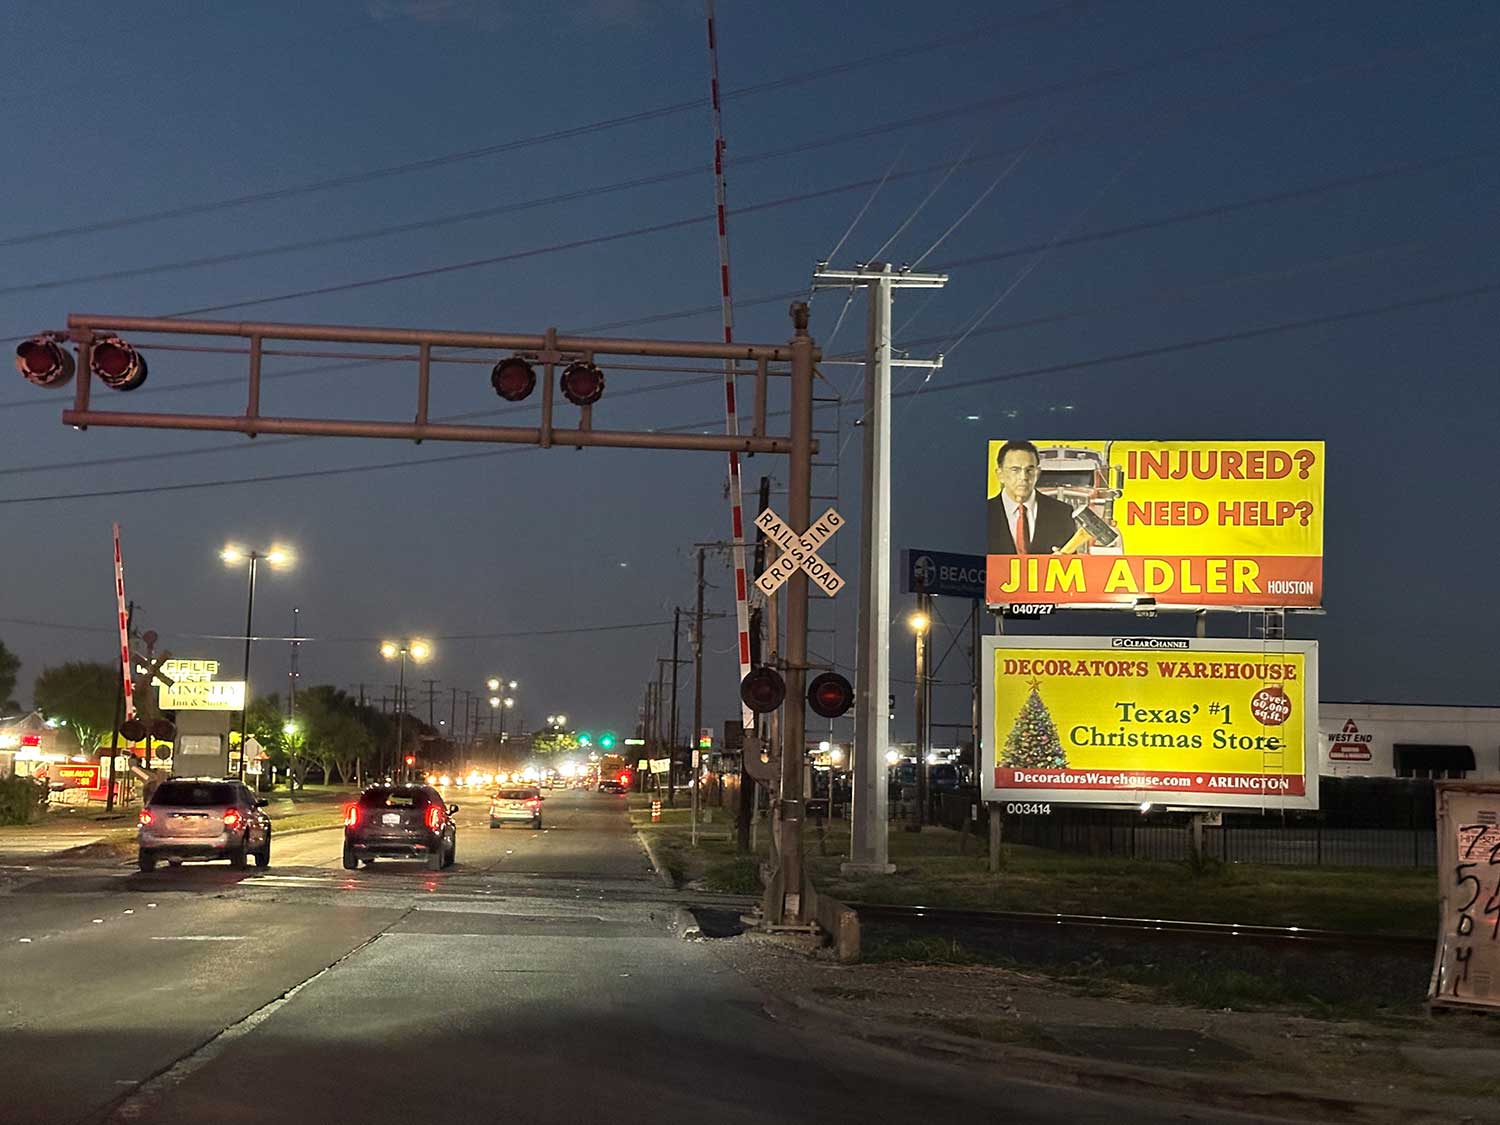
(1021, 536)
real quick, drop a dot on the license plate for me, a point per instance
(391, 818)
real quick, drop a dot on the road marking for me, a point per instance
(202, 937)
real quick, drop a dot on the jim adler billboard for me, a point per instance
(1191, 723)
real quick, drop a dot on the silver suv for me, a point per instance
(203, 818)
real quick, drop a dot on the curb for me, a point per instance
(661, 872)
(685, 925)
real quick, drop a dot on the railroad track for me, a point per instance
(923, 917)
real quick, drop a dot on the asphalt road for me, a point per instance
(537, 980)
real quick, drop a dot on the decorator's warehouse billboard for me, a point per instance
(1108, 523)
(1165, 720)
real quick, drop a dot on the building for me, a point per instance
(1408, 740)
(30, 744)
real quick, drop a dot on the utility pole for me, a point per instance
(676, 626)
(463, 760)
(869, 851)
(431, 697)
(697, 701)
(293, 675)
(661, 730)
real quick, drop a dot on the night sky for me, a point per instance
(1269, 220)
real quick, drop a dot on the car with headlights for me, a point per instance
(401, 822)
(203, 818)
(516, 804)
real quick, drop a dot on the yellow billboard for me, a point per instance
(1182, 722)
(1192, 523)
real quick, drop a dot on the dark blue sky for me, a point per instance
(1280, 162)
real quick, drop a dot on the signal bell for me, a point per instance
(582, 383)
(119, 366)
(763, 690)
(513, 379)
(830, 695)
(43, 361)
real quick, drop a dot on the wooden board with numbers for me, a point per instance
(1466, 971)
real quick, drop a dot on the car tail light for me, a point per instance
(624, 777)
(146, 817)
(232, 819)
(534, 803)
(351, 816)
(434, 817)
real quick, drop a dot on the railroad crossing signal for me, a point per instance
(799, 552)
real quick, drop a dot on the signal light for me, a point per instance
(43, 361)
(513, 379)
(582, 383)
(411, 759)
(607, 740)
(133, 730)
(119, 366)
(830, 695)
(585, 738)
(763, 690)
(163, 730)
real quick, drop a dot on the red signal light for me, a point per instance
(411, 759)
(763, 690)
(513, 379)
(43, 361)
(582, 383)
(830, 695)
(119, 366)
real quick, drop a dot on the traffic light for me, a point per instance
(830, 695)
(163, 730)
(44, 361)
(411, 759)
(582, 383)
(513, 379)
(119, 366)
(607, 740)
(133, 730)
(585, 738)
(763, 690)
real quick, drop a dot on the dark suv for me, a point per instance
(400, 820)
(203, 818)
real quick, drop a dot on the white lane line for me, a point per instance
(149, 1093)
(202, 937)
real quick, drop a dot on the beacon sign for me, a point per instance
(943, 573)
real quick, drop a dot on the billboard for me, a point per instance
(1111, 523)
(1189, 723)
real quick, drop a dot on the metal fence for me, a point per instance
(1365, 822)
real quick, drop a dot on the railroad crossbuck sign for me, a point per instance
(799, 552)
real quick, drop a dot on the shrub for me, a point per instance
(21, 799)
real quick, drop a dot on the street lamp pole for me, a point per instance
(399, 770)
(249, 630)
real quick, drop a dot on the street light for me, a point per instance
(278, 557)
(420, 651)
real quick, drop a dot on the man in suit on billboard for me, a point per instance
(1021, 520)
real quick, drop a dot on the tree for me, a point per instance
(10, 666)
(83, 694)
(1033, 742)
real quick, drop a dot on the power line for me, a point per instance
(431, 222)
(1051, 369)
(1171, 108)
(551, 136)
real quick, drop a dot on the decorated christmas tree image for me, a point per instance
(1033, 742)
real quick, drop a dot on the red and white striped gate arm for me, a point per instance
(731, 410)
(125, 658)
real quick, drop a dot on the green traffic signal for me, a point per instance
(585, 738)
(607, 740)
